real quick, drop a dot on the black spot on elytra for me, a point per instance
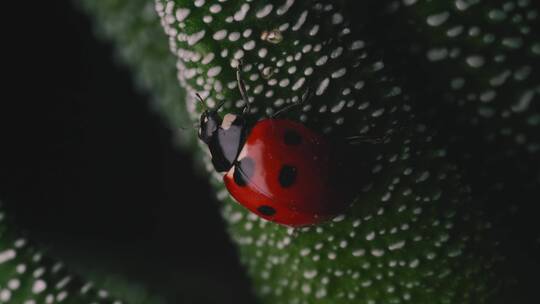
(266, 210)
(291, 138)
(287, 176)
(243, 171)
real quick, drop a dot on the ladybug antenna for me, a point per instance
(375, 139)
(219, 105)
(202, 101)
(242, 86)
(206, 107)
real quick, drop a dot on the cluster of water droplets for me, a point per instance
(29, 277)
(392, 248)
(403, 241)
(286, 50)
(491, 62)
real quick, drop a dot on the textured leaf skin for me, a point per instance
(134, 28)
(155, 71)
(29, 276)
(473, 68)
(414, 234)
(482, 58)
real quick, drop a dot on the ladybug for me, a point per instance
(277, 168)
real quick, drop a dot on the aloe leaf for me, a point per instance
(484, 56)
(473, 66)
(31, 274)
(27, 275)
(414, 234)
(134, 28)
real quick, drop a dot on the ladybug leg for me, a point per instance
(283, 110)
(307, 95)
(242, 88)
(360, 139)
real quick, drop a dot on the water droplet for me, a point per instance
(265, 11)
(300, 22)
(322, 86)
(523, 102)
(488, 96)
(241, 14)
(437, 54)
(437, 19)
(497, 15)
(512, 42)
(182, 14)
(475, 61)
(500, 79)
(215, 8)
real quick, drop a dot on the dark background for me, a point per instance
(89, 172)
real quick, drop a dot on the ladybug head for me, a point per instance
(209, 124)
(223, 136)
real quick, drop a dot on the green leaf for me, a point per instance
(484, 55)
(474, 78)
(473, 69)
(27, 275)
(414, 233)
(134, 28)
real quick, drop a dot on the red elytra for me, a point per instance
(277, 168)
(288, 174)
